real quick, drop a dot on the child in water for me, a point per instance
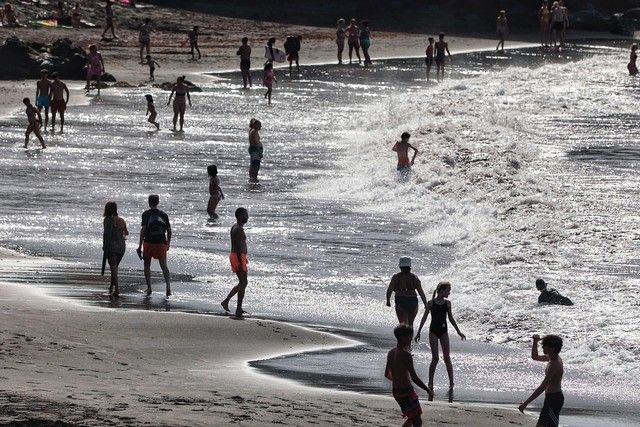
(631, 66)
(429, 57)
(215, 192)
(440, 309)
(151, 111)
(152, 67)
(268, 79)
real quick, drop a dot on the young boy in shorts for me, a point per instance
(238, 259)
(401, 372)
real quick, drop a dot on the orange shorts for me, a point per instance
(238, 264)
(155, 250)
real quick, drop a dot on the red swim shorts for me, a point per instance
(58, 105)
(238, 264)
(408, 400)
(155, 250)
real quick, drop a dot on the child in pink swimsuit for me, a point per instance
(268, 79)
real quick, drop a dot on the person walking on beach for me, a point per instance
(113, 243)
(402, 149)
(35, 121)
(405, 284)
(255, 149)
(58, 101)
(108, 11)
(155, 234)
(244, 51)
(353, 39)
(401, 372)
(144, 37)
(551, 386)
(151, 111)
(502, 28)
(238, 259)
(441, 47)
(365, 41)
(428, 60)
(440, 309)
(215, 192)
(341, 35)
(292, 47)
(268, 79)
(179, 103)
(633, 57)
(95, 67)
(559, 22)
(193, 42)
(152, 67)
(544, 18)
(550, 296)
(43, 96)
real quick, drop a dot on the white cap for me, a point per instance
(405, 261)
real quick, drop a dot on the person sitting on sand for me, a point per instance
(256, 150)
(215, 192)
(144, 37)
(631, 66)
(152, 67)
(193, 42)
(428, 60)
(238, 259)
(441, 47)
(405, 284)
(365, 41)
(179, 103)
(440, 309)
(43, 96)
(353, 39)
(402, 149)
(108, 12)
(113, 243)
(95, 67)
(544, 18)
(292, 47)
(58, 101)
(401, 372)
(151, 111)
(35, 121)
(550, 296)
(244, 51)
(502, 28)
(552, 383)
(155, 234)
(268, 79)
(341, 35)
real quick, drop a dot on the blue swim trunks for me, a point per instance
(42, 101)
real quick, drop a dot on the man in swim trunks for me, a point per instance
(550, 296)
(402, 149)
(155, 234)
(35, 121)
(441, 47)
(238, 259)
(43, 99)
(58, 101)
(428, 60)
(552, 383)
(244, 51)
(400, 371)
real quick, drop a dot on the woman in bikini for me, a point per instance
(179, 103)
(440, 309)
(405, 284)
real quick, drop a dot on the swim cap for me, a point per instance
(405, 261)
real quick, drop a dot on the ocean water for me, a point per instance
(527, 168)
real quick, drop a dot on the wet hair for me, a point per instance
(405, 135)
(26, 101)
(245, 40)
(553, 341)
(441, 287)
(441, 35)
(54, 75)
(540, 284)
(111, 209)
(212, 170)
(430, 39)
(240, 212)
(272, 40)
(253, 123)
(149, 98)
(268, 65)
(403, 330)
(154, 200)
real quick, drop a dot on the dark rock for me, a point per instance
(107, 77)
(169, 86)
(18, 60)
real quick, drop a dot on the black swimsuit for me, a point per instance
(438, 318)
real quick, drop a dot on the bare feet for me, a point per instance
(225, 305)
(240, 313)
(148, 291)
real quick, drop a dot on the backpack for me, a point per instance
(156, 228)
(291, 45)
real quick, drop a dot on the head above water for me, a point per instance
(242, 215)
(541, 285)
(551, 344)
(111, 209)
(403, 334)
(405, 136)
(442, 290)
(154, 200)
(212, 170)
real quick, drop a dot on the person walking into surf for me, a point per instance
(341, 35)
(179, 103)
(238, 259)
(402, 149)
(440, 309)
(113, 243)
(353, 39)
(155, 235)
(244, 51)
(215, 192)
(441, 47)
(255, 149)
(405, 284)
(633, 57)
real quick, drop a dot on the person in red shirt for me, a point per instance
(402, 149)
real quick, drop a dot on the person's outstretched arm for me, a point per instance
(188, 96)
(414, 377)
(415, 153)
(66, 91)
(387, 368)
(453, 321)
(534, 351)
(423, 321)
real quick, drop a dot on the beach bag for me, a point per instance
(291, 45)
(156, 228)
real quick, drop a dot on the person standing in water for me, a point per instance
(631, 66)
(341, 35)
(58, 101)
(244, 51)
(353, 39)
(551, 386)
(268, 79)
(151, 111)
(428, 60)
(405, 284)
(113, 243)
(108, 12)
(441, 47)
(365, 41)
(215, 192)
(550, 295)
(440, 309)
(238, 259)
(558, 23)
(193, 42)
(544, 18)
(95, 67)
(255, 149)
(35, 121)
(292, 47)
(155, 234)
(179, 103)
(144, 37)
(402, 149)
(502, 28)
(43, 98)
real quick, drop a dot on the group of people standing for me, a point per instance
(356, 37)
(554, 22)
